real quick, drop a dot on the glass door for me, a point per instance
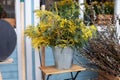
(7, 8)
(7, 11)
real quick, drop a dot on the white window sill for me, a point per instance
(7, 61)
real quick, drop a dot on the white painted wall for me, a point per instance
(117, 15)
(28, 46)
(19, 38)
(24, 17)
(37, 59)
(81, 9)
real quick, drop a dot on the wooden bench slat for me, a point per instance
(52, 70)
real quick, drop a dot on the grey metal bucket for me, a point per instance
(63, 57)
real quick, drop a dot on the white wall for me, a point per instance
(27, 66)
(117, 16)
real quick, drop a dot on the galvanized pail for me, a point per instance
(63, 57)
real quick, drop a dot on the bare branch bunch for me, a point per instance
(104, 51)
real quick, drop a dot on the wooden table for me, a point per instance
(50, 70)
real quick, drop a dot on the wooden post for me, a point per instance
(43, 56)
(0, 76)
(22, 41)
(19, 10)
(43, 48)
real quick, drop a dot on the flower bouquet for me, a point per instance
(60, 28)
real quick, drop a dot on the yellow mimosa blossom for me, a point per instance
(39, 41)
(92, 27)
(60, 26)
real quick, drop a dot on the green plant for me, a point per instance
(1, 9)
(109, 7)
(100, 7)
(60, 26)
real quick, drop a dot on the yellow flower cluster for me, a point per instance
(65, 2)
(56, 30)
(88, 31)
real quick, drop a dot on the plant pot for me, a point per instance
(106, 76)
(104, 19)
(63, 57)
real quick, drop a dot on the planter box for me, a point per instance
(103, 19)
(106, 76)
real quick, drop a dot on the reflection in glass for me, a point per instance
(7, 11)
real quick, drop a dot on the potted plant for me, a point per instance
(104, 11)
(60, 28)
